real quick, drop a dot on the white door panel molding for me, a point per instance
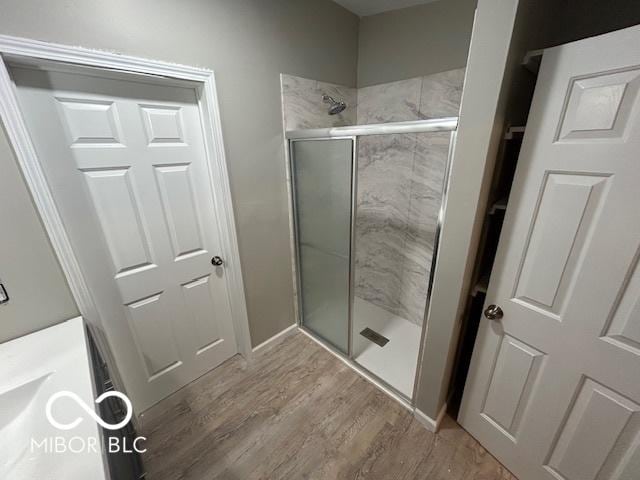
(553, 389)
(97, 130)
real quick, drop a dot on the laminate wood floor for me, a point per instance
(297, 412)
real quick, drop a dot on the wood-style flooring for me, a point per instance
(297, 412)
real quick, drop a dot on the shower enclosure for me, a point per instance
(367, 210)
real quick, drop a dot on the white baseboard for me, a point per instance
(428, 422)
(277, 338)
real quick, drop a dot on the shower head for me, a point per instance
(335, 106)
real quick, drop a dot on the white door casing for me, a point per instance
(554, 387)
(126, 163)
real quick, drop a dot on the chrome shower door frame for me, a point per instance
(447, 124)
(296, 242)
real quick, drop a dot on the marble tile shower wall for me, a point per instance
(302, 105)
(400, 179)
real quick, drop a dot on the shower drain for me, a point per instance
(374, 336)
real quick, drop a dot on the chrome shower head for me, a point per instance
(335, 106)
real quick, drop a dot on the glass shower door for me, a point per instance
(322, 182)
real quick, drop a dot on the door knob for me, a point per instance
(493, 312)
(217, 261)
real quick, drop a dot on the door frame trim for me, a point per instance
(43, 53)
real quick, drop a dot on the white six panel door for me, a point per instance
(127, 167)
(554, 387)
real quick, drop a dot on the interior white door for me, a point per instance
(126, 163)
(554, 386)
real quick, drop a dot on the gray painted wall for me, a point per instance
(248, 43)
(38, 290)
(479, 130)
(414, 41)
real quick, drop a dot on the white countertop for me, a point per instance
(32, 368)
